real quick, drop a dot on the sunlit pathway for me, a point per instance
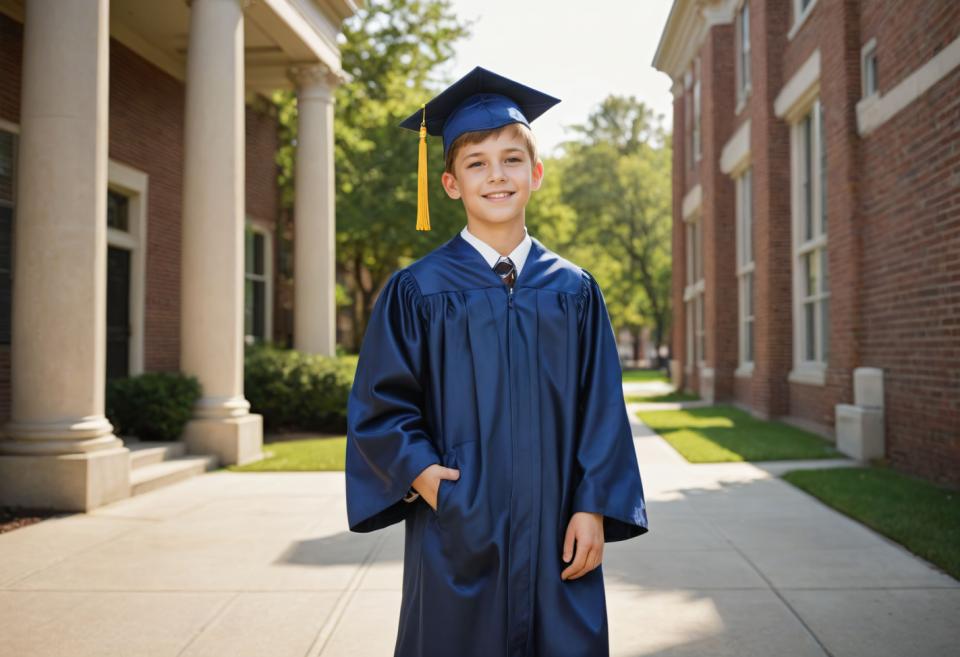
(736, 563)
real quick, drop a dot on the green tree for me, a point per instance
(617, 180)
(391, 50)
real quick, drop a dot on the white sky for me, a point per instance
(577, 52)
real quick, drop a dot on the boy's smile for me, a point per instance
(494, 178)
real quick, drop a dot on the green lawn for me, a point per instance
(668, 397)
(919, 515)
(644, 375)
(725, 433)
(305, 455)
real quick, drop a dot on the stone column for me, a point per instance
(212, 269)
(314, 214)
(59, 449)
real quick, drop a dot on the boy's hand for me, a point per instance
(587, 529)
(428, 482)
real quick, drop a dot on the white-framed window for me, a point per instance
(743, 53)
(258, 282)
(127, 206)
(869, 74)
(696, 109)
(694, 292)
(745, 266)
(810, 257)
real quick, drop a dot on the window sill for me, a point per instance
(812, 374)
(745, 371)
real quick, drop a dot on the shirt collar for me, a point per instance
(491, 255)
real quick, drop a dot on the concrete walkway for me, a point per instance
(736, 563)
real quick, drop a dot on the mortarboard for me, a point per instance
(480, 100)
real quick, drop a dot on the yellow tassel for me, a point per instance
(423, 209)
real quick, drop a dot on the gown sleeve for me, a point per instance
(610, 482)
(388, 444)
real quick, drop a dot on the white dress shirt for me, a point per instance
(518, 255)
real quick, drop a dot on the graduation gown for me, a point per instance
(522, 393)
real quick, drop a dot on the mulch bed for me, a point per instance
(15, 517)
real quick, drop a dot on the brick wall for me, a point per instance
(146, 133)
(893, 236)
(263, 198)
(719, 245)
(911, 278)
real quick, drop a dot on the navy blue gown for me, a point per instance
(522, 393)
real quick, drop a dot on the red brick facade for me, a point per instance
(146, 133)
(892, 204)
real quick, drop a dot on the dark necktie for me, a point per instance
(506, 270)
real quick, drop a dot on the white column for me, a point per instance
(59, 447)
(314, 244)
(212, 265)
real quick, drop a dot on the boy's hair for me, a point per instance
(518, 130)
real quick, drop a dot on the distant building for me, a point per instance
(138, 221)
(816, 207)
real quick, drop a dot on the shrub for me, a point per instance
(294, 390)
(152, 405)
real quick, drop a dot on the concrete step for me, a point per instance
(147, 452)
(157, 475)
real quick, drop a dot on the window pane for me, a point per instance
(248, 311)
(7, 165)
(824, 277)
(810, 273)
(823, 172)
(750, 340)
(258, 247)
(749, 305)
(809, 327)
(825, 327)
(6, 229)
(746, 42)
(248, 255)
(806, 178)
(699, 327)
(118, 210)
(748, 205)
(259, 288)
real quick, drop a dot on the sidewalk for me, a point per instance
(736, 563)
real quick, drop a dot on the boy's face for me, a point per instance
(483, 171)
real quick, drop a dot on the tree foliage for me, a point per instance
(616, 179)
(392, 51)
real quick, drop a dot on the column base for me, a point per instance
(234, 440)
(69, 482)
(707, 385)
(676, 374)
(860, 431)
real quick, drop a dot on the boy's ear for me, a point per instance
(537, 178)
(450, 185)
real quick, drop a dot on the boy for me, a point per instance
(487, 411)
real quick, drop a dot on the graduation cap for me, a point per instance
(480, 100)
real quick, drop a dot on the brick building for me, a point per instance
(816, 207)
(138, 221)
